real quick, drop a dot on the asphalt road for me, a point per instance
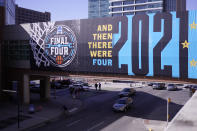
(97, 111)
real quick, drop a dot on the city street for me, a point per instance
(96, 114)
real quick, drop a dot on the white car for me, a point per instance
(79, 86)
(122, 104)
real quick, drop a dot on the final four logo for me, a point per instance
(60, 46)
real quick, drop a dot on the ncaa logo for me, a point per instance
(60, 46)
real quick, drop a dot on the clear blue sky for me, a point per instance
(192, 4)
(60, 9)
(69, 9)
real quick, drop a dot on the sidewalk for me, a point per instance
(186, 118)
(49, 111)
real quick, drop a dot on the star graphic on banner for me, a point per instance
(193, 25)
(185, 44)
(193, 63)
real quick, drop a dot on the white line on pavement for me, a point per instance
(95, 126)
(73, 109)
(73, 123)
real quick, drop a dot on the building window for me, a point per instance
(118, 14)
(140, 12)
(141, 7)
(17, 50)
(128, 2)
(128, 13)
(128, 8)
(154, 5)
(116, 9)
(116, 3)
(141, 1)
(1, 2)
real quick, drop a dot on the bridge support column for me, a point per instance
(26, 89)
(45, 88)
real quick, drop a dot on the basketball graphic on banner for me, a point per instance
(59, 60)
(60, 45)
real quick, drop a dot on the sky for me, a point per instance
(59, 9)
(192, 4)
(69, 9)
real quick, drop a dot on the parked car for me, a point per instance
(65, 83)
(179, 84)
(35, 88)
(172, 87)
(56, 84)
(122, 104)
(188, 86)
(151, 84)
(80, 86)
(159, 86)
(126, 92)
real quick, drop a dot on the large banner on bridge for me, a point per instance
(162, 44)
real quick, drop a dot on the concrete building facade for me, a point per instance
(7, 12)
(98, 8)
(169, 5)
(24, 15)
(103, 8)
(132, 7)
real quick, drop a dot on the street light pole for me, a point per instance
(168, 101)
(18, 103)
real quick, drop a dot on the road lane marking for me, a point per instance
(95, 126)
(73, 109)
(75, 122)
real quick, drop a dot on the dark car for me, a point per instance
(188, 86)
(126, 92)
(65, 83)
(159, 86)
(56, 84)
(34, 88)
(193, 88)
(150, 84)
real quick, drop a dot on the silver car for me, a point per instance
(122, 104)
(171, 87)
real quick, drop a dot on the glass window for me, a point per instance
(118, 14)
(129, 8)
(154, 11)
(17, 50)
(128, 13)
(1, 2)
(128, 2)
(116, 9)
(154, 5)
(140, 12)
(141, 7)
(10, 12)
(141, 1)
(154, 0)
(116, 3)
